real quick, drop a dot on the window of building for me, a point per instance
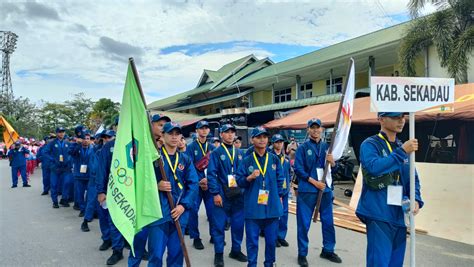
(282, 95)
(336, 85)
(306, 91)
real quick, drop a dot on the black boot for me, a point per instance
(219, 260)
(197, 243)
(117, 255)
(105, 245)
(238, 255)
(55, 206)
(330, 256)
(44, 193)
(85, 227)
(283, 242)
(81, 214)
(64, 203)
(302, 261)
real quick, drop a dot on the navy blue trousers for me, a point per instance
(386, 244)
(306, 203)
(193, 224)
(252, 231)
(22, 170)
(234, 209)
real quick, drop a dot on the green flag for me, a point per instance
(132, 195)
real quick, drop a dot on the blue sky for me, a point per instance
(67, 47)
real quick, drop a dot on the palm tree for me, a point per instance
(450, 30)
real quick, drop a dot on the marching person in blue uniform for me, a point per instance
(386, 185)
(81, 151)
(102, 179)
(92, 205)
(183, 185)
(228, 197)
(103, 212)
(17, 157)
(278, 143)
(140, 239)
(57, 153)
(199, 152)
(261, 175)
(45, 165)
(309, 167)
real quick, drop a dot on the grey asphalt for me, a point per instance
(34, 234)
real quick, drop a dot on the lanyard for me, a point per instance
(228, 154)
(260, 167)
(389, 148)
(388, 144)
(173, 169)
(203, 151)
(282, 159)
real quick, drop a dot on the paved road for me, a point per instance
(34, 234)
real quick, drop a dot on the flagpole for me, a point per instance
(162, 170)
(333, 136)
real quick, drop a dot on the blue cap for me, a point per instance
(78, 129)
(390, 114)
(201, 124)
(314, 121)
(17, 143)
(170, 126)
(60, 129)
(86, 132)
(109, 133)
(226, 127)
(159, 117)
(259, 131)
(277, 137)
(116, 121)
(215, 139)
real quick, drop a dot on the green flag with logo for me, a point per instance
(132, 194)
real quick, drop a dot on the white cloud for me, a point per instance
(73, 46)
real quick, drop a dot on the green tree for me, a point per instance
(22, 114)
(53, 115)
(80, 108)
(450, 30)
(104, 112)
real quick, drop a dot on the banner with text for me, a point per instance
(408, 94)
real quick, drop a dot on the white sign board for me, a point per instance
(407, 94)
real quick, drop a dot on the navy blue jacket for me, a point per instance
(18, 158)
(376, 159)
(103, 169)
(287, 171)
(309, 156)
(94, 163)
(52, 153)
(274, 179)
(219, 167)
(194, 152)
(80, 156)
(187, 177)
(40, 155)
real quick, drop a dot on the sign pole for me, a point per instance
(412, 193)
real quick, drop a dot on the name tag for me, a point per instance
(83, 169)
(262, 197)
(320, 173)
(284, 184)
(231, 182)
(394, 195)
(61, 158)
